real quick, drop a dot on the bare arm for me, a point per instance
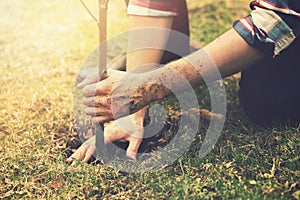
(229, 54)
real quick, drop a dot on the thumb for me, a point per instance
(87, 81)
(84, 73)
(133, 147)
(81, 84)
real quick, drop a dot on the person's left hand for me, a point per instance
(112, 132)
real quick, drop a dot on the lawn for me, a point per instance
(43, 44)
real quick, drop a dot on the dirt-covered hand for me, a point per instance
(120, 94)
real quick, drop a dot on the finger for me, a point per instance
(78, 154)
(89, 90)
(70, 159)
(89, 153)
(133, 147)
(85, 72)
(78, 80)
(98, 111)
(87, 81)
(83, 83)
(101, 88)
(80, 77)
(97, 101)
(102, 119)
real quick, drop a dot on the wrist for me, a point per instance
(148, 90)
(156, 86)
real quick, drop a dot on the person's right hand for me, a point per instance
(120, 94)
(90, 75)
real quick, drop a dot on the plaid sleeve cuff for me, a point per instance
(153, 8)
(265, 30)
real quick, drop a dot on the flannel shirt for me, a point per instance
(271, 26)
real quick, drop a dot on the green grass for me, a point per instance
(43, 44)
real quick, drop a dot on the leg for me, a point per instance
(269, 90)
(180, 24)
(138, 58)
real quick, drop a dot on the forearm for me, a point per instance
(228, 54)
(225, 56)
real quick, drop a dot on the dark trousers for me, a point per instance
(269, 90)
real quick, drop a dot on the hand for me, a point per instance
(127, 91)
(90, 74)
(112, 132)
(128, 129)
